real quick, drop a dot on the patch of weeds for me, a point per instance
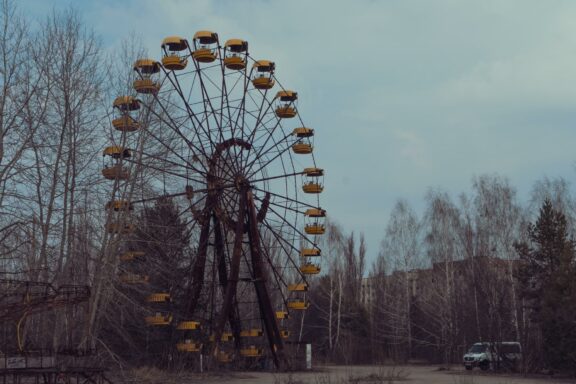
(287, 379)
(384, 375)
(464, 379)
(324, 378)
(152, 375)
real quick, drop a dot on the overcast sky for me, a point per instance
(403, 94)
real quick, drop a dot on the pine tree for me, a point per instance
(163, 238)
(547, 278)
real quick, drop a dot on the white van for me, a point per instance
(507, 354)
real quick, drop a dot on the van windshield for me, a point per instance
(477, 348)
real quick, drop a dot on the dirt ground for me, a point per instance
(379, 375)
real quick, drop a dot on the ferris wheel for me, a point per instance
(212, 129)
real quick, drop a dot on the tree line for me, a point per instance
(56, 88)
(481, 267)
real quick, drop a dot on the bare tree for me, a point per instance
(23, 99)
(444, 247)
(400, 249)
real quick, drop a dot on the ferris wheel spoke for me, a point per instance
(262, 112)
(179, 133)
(177, 130)
(290, 225)
(241, 113)
(227, 113)
(171, 163)
(242, 116)
(279, 279)
(203, 190)
(217, 113)
(276, 145)
(193, 118)
(285, 197)
(255, 114)
(268, 161)
(226, 107)
(280, 283)
(281, 228)
(162, 169)
(269, 133)
(212, 112)
(295, 210)
(260, 123)
(287, 247)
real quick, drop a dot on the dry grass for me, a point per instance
(464, 380)
(149, 375)
(152, 375)
(384, 375)
(288, 379)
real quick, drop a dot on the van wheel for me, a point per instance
(484, 365)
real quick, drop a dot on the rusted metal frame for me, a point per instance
(261, 215)
(45, 302)
(232, 281)
(221, 147)
(225, 145)
(233, 318)
(229, 223)
(260, 277)
(228, 314)
(199, 267)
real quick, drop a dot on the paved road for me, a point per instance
(375, 375)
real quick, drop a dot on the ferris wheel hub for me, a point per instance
(241, 183)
